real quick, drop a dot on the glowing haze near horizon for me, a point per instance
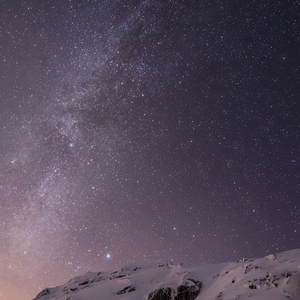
(145, 130)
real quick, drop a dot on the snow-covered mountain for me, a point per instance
(274, 277)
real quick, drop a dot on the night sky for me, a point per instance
(158, 130)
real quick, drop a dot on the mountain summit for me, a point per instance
(274, 277)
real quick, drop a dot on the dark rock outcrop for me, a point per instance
(161, 294)
(188, 290)
(127, 289)
(45, 294)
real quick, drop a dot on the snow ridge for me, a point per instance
(276, 277)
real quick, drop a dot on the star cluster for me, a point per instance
(145, 130)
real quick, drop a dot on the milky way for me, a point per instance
(145, 130)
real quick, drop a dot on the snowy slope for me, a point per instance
(275, 277)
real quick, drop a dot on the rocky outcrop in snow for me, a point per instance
(189, 289)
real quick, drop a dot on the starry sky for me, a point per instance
(145, 130)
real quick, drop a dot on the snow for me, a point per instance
(276, 277)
